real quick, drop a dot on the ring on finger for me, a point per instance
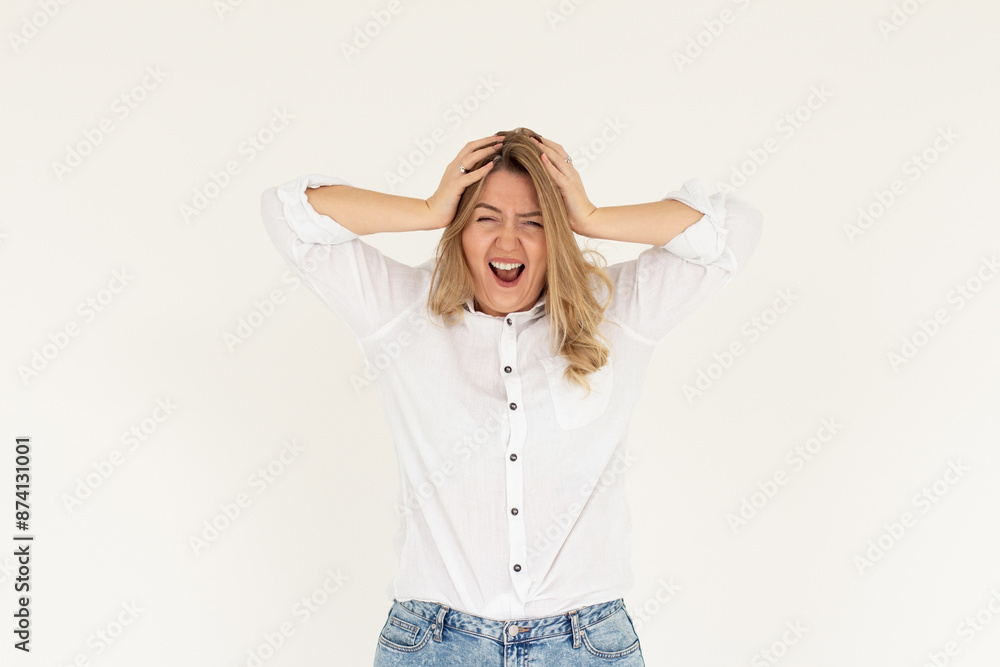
(462, 169)
(569, 160)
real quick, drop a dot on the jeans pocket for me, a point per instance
(611, 637)
(405, 631)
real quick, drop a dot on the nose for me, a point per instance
(507, 237)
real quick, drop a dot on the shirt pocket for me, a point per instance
(573, 406)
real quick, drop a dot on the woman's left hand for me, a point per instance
(567, 179)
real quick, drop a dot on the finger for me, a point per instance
(558, 168)
(556, 157)
(465, 160)
(544, 141)
(548, 143)
(480, 145)
(472, 158)
(482, 171)
(472, 146)
(562, 180)
(546, 150)
(557, 175)
(467, 179)
(491, 138)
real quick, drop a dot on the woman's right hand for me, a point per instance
(444, 202)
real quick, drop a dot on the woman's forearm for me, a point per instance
(369, 212)
(655, 223)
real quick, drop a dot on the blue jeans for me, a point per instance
(429, 634)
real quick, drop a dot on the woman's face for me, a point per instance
(506, 228)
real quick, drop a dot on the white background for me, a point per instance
(571, 72)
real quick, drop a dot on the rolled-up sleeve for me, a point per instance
(364, 288)
(664, 285)
(308, 225)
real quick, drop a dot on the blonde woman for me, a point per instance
(516, 364)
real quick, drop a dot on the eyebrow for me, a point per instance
(533, 214)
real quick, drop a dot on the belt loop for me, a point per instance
(439, 623)
(574, 620)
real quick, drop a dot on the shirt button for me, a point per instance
(513, 510)
(509, 322)
(506, 369)
(517, 568)
(513, 406)
(513, 457)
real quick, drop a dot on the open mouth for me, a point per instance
(507, 272)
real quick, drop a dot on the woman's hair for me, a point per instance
(573, 310)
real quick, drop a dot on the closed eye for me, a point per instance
(487, 219)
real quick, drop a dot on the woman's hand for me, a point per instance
(567, 179)
(444, 202)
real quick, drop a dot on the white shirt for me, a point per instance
(511, 483)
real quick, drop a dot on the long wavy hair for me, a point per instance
(573, 310)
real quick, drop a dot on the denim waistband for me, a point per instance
(569, 622)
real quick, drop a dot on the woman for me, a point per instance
(509, 367)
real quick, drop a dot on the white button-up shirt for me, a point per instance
(512, 495)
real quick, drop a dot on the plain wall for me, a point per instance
(817, 113)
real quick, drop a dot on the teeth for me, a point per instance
(505, 266)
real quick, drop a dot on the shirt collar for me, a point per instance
(535, 311)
